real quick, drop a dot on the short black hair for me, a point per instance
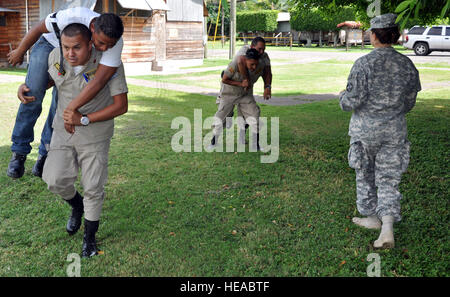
(252, 54)
(75, 29)
(387, 35)
(110, 24)
(258, 39)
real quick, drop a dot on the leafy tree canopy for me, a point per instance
(420, 12)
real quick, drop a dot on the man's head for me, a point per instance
(251, 59)
(106, 31)
(76, 44)
(259, 44)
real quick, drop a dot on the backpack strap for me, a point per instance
(58, 35)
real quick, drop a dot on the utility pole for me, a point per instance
(232, 29)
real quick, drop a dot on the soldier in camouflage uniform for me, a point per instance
(382, 87)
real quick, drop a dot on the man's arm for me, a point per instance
(16, 56)
(228, 81)
(23, 88)
(243, 70)
(119, 107)
(267, 77)
(101, 78)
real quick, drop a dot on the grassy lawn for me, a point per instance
(287, 79)
(228, 214)
(322, 77)
(295, 47)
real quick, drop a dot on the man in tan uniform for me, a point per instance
(263, 69)
(87, 147)
(235, 90)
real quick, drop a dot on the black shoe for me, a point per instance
(89, 248)
(16, 167)
(39, 166)
(74, 222)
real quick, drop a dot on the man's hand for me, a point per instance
(72, 117)
(15, 57)
(21, 94)
(267, 93)
(69, 128)
(245, 84)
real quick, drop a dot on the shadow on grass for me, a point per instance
(168, 210)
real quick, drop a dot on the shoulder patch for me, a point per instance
(349, 87)
(56, 65)
(89, 74)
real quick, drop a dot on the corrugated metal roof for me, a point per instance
(158, 4)
(283, 17)
(144, 4)
(7, 10)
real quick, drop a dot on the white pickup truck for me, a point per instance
(424, 40)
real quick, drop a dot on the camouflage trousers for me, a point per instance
(379, 169)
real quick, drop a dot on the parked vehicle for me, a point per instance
(424, 40)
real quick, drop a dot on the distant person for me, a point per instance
(382, 87)
(263, 70)
(91, 127)
(237, 90)
(106, 29)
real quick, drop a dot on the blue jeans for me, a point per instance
(37, 80)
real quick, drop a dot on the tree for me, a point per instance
(307, 21)
(427, 11)
(213, 8)
(247, 5)
(333, 17)
(252, 21)
(409, 8)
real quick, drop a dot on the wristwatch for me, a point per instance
(84, 120)
(268, 87)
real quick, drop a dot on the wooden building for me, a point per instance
(158, 33)
(16, 18)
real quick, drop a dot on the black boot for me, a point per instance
(16, 167)
(39, 166)
(89, 248)
(74, 222)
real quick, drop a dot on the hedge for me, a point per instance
(263, 20)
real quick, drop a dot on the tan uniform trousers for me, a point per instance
(64, 160)
(247, 106)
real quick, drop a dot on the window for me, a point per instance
(448, 31)
(416, 31)
(435, 31)
(2, 21)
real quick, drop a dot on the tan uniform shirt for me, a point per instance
(263, 62)
(70, 86)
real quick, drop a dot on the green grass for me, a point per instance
(13, 71)
(287, 79)
(173, 214)
(295, 79)
(218, 46)
(211, 62)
